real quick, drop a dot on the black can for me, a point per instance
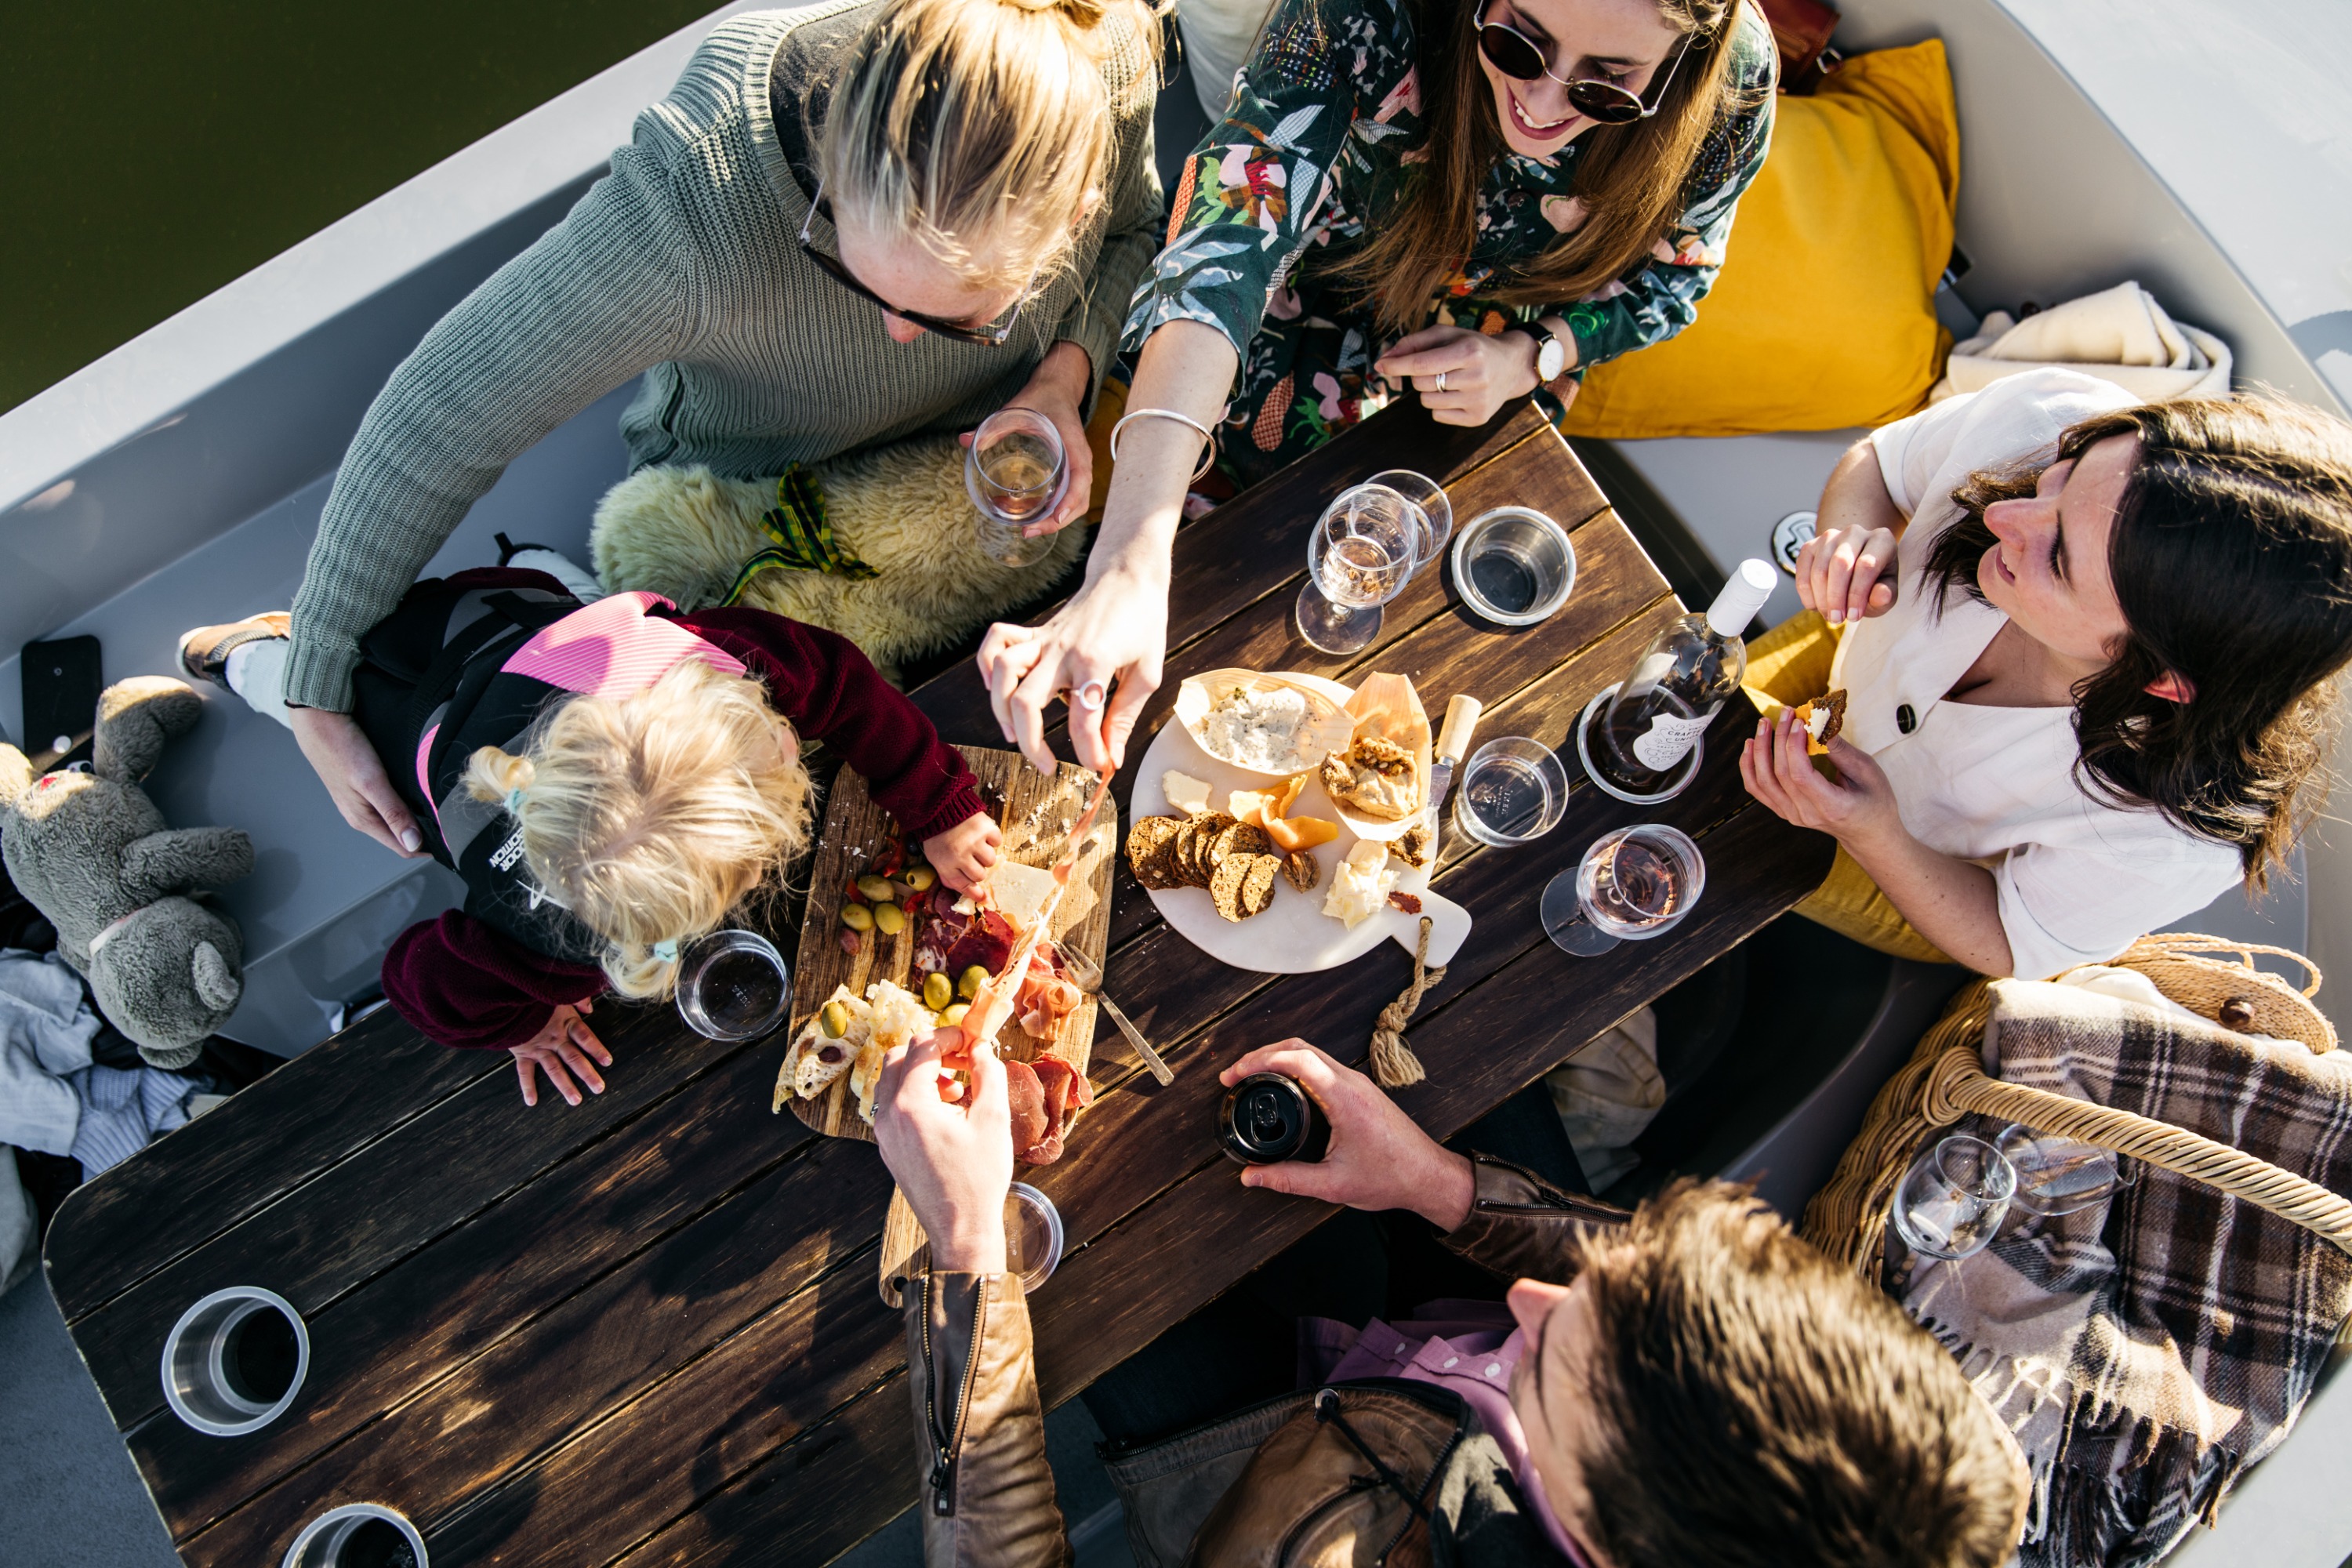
(1268, 1118)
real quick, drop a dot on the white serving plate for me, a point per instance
(1293, 935)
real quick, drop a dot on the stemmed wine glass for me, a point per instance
(1015, 471)
(1430, 496)
(1953, 1197)
(1360, 555)
(1634, 883)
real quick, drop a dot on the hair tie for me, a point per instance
(514, 802)
(666, 950)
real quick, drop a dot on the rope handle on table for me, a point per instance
(1958, 1084)
(1394, 1064)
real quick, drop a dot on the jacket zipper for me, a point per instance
(946, 1445)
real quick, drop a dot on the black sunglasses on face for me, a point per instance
(989, 337)
(1518, 57)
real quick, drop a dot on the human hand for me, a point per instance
(1105, 644)
(1056, 389)
(339, 754)
(953, 1161)
(1481, 372)
(963, 855)
(562, 1049)
(1843, 573)
(1379, 1158)
(1857, 807)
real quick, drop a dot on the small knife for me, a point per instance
(1452, 739)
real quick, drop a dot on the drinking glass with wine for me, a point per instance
(1016, 472)
(1633, 884)
(1360, 555)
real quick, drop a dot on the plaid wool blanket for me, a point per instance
(2146, 1350)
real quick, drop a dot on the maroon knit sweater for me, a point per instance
(467, 984)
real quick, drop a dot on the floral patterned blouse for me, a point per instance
(1316, 142)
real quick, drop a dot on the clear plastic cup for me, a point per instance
(1512, 790)
(1033, 1234)
(1513, 566)
(733, 986)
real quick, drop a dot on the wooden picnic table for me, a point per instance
(645, 1331)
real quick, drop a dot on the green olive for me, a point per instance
(889, 919)
(937, 991)
(857, 917)
(953, 1012)
(874, 889)
(832, 1019)
(974, 979)
(919, 878)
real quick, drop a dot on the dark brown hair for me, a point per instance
(2232, 558)
(1631, 178)
(1758, 1407)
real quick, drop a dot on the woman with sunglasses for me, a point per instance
(1474, 200)
(847, 223)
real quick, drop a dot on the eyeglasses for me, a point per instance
(987, 337)
(1518, 57)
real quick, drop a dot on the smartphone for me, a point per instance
(61, 682)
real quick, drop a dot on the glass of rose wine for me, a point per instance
(1360, 555)
(1016, 472)
(1633, 884)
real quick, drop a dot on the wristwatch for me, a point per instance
(1551, 355)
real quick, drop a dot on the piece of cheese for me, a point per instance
(1020, 891)
(1185, 792)
(1361, 884)
(1290, 833)
(1251, 805)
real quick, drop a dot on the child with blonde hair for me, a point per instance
(611, 780)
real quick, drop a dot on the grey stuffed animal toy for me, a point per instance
(91, 852)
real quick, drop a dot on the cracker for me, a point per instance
(1240, 838)
(1225, 887)
(1301, 870)
(1147, 843)
(1198, 864)
(1257, 885)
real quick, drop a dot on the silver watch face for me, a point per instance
(1551, 360)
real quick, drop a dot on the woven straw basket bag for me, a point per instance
(1946, 1079)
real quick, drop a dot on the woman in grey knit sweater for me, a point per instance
(988, 203)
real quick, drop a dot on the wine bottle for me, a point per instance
(1679, 684)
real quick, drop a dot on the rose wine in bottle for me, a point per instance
(1678, 686)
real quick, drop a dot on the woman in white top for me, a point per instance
(2088, 655)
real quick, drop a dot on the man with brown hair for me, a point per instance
(1687, 1385)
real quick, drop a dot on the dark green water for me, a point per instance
(157, 149)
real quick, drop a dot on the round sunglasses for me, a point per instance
(1521, 59)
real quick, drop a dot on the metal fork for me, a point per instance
(1088, 977)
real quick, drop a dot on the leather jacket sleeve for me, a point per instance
(1521, 1227)
(987, 1496)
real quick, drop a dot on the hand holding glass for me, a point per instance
(1360, 555)
(1016, 473)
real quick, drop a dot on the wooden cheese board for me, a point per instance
(1036, 814)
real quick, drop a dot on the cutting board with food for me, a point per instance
(1283, 822)
(887, 951)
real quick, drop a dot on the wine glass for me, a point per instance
(1953, 1197)
(1360, 555)
(1634, 883)
(2058, 1175)
(1430, 496)
(1015, 471)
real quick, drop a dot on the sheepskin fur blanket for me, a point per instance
(900, 508)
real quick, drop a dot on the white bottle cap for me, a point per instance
(1742, 597)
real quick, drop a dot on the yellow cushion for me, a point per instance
(1824, 315)
(1849, 904)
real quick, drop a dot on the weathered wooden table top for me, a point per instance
(645, 1331)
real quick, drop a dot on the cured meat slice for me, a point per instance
(1034, 1113)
